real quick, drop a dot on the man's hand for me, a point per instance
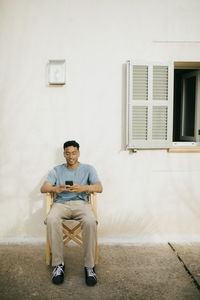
(76, 188)
(60, 189)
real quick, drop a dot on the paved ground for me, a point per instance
(153, 272)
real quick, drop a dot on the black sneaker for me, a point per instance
(58, 274)
(90, 276)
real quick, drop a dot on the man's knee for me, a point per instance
(52, 219)
(89, 222)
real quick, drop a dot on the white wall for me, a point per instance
(150, 194)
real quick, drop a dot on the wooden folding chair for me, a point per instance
(71, 228)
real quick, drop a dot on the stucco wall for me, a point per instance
(151, 194)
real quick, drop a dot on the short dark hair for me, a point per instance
(71, 143)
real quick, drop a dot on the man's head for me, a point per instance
(71, 143)
(71, 153)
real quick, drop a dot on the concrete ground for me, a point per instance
(155, 272)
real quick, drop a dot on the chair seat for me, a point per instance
(72, 231)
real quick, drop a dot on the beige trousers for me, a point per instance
(78, 210)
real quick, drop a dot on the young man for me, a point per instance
(71, 201)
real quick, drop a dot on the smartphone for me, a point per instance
(69, 182)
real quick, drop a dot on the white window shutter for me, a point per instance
(149, 105)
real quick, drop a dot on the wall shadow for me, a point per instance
(34, 225)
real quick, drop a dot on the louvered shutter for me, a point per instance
(149, 105)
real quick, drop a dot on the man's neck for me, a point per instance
(73, 166)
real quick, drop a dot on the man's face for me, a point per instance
(71, 155)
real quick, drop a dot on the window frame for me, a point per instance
(195, 66)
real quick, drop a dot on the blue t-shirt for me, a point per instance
(83, 175)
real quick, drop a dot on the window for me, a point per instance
(162, 105)
(186, 120)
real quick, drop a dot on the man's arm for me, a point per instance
(96, 188)
(47, 187)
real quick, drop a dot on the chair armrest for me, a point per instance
(93, 202)
(49, 202)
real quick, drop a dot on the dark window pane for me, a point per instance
(189, 107)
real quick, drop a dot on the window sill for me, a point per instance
(182, 149)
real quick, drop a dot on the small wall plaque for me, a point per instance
(56, 72)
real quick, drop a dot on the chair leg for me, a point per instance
(48, 251)
(96, 250)
(96, 255)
